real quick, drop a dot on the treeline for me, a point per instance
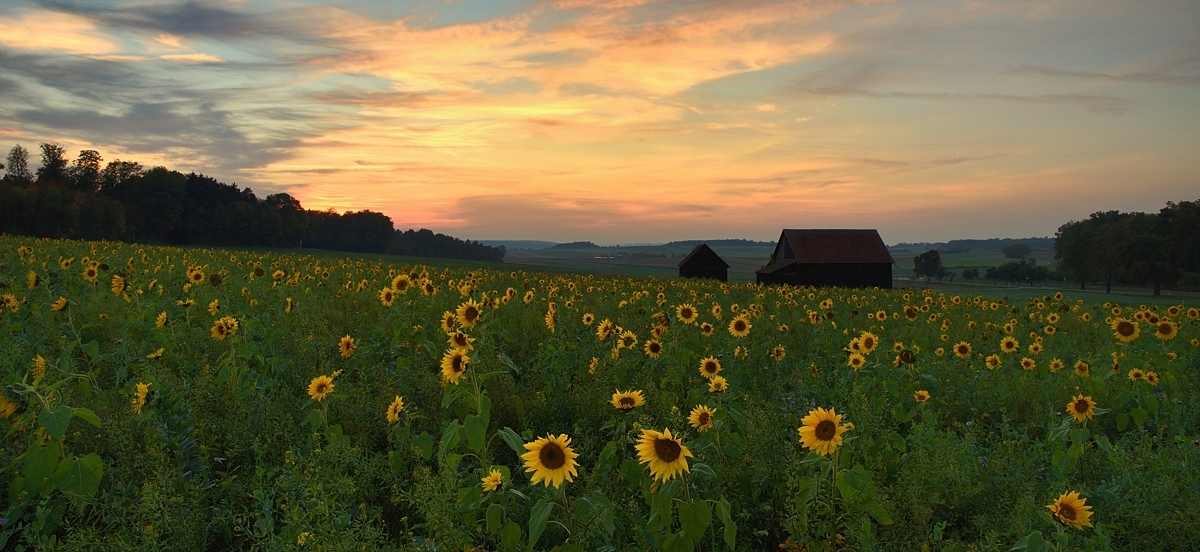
(122, 200)
(991, 244)
(1160, 249)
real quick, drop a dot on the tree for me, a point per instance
(1071, 245)
(1015, 251)
(970, 274)
(118, 171)
(1182, 223)
(18, 165)
(84, 173)
(929, 265)
(54, 164)
(1145, 253)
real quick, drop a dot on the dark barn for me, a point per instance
(842, 258)
(703, 262)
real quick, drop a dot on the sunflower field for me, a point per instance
(159, 398)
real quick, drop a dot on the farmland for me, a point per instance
(208, 399)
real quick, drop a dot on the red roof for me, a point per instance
(836, 246)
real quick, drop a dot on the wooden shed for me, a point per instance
(703, 262)
(843, 258)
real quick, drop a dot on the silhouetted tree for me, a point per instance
(970, 274)
(18, 165)
(118, 171)
(1145, 253)
(929, 265)
(54, 164)
(1015, 250)
(84, 173)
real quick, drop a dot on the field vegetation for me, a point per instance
(159, 398)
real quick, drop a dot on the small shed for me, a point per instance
(843, 258)
(703, 262)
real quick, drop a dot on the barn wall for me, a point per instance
(715, 272)
(828, 275)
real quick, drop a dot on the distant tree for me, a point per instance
(84, 173)
(929, 265)
(1145, 253)
(18, 165)
(54, 164)
(970, 274)
(118, 171)
(1182, 223)
(1071, 246)
(1015, 250)
(1103, 257)
(154, 203)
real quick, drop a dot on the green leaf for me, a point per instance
(86, 415)
(40, 464)
(694, 518)
(805, 487)
(897, 443)
(494, 512)
(56, 421)
(1032, 542)
(704, 471)
(876, 510)
(606, 454)
(476, 431)
(510, 538)
(80, 477)
(537, 521)
(1122, 421)
(1139, 416)
(1080, 436)
(723, 512)
(514, 441)
(450, 437)
(424, 444)
(1151, 403)
(91, 349)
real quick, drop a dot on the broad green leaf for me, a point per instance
(56, 421)
(476, 431)
(876, 510)
(91, 349)
(1033, 542)
(723, 512)
(704, 471)
(514, 441)
(86, 415)
(1139, 416)
(537, 521)
(424, 444)
(606, 454)
(494, 512)
(695, 518)
(1122, 421)
(805, 487)
(80, 477)
(897, 443)
(40, 464)
(568, 548)
(510, 538)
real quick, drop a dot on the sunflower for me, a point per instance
(219, 330)
(428, 288)
(1071, 510)
(7, 407)
(701, 418)
(716, 311)
(31, 280)
(827, 304)
(401, 283)
(740, 326)
(1166, 330)
(1035, 348)
(686, 313)
(468, 313)
(921, 396)
(709, 367)
(387, 296)
(605, 329)
(627, 400)
(666, 454)
(118, 284)
(717, 384)
(778, 352)
(90, 273)
(706, 329)
(1056, 365)
(881, 315)
(551, 460)
(1125, 330)
(461, 341)
(1082, 368)
(855, 361)
(320, 387)
(1137, 374)
(588, 318)
(156, 354)
(59, 305)
(1028, 363)
(1081, 407)
(454, 366)
(492, 481)
(38, 366)
(908, 357)
(821, 431)
(346, 346)
(1152, 378)
(628, 339)
(869, 342)
(1009, 344)
(139, 401)
(394, 410)
(448, 321)
(65, 263)
(213, 307)
(962, 350)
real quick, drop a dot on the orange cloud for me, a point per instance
(49, 31)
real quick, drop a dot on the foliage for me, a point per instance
(148, 428)
(1016, 250)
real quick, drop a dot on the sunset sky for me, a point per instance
(630, 120)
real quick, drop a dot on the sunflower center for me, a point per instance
(471, 313)
(739, 325)
(457, 365)
(703, 418)
(551, 456)
(1125, 328)
(322, 388)
(654, 347)
(868, 343)
(667, 450)
(1081, 406)
(626, 402)
(686, 313)
(826, 430)
(962, 350)
(1164, 328)
(1066, 512)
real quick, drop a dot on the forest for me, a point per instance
(122, 200)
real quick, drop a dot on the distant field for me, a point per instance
(637, 260)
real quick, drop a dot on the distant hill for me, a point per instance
(519, 244)
(1036, 244)
(576, 245)
(729, 242)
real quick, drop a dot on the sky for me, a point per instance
(622, 121)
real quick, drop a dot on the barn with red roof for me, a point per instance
(842, 258)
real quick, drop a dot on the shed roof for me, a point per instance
(705, 255)
(837, 246)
